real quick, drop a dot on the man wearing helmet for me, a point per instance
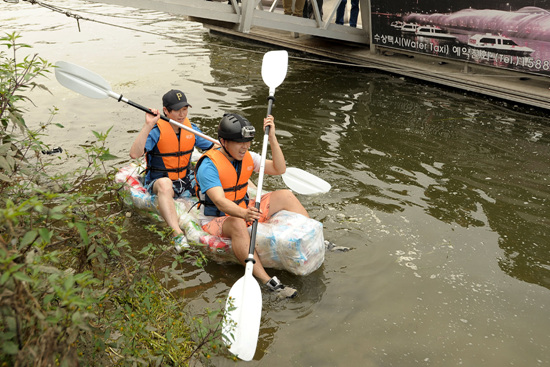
(168, 150)
(222, 176)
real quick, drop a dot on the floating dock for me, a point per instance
(263, 21)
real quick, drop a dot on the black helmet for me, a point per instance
(236, 128)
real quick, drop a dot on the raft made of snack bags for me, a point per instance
(287, 241)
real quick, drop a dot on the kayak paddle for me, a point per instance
(94, 86)
(304, 182)
(244, 305)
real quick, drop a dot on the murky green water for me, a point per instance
(444, 197)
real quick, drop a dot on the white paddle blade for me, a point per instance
(242, 324)
(304, 182)
(274, 67)
(81, 80)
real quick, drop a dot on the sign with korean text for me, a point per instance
(512, 35)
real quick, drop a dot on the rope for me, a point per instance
(385, 68)
(78, 18)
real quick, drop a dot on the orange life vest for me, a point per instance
(234, 180)
(172, 156)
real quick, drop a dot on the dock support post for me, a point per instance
(366, 21)
(247, 15)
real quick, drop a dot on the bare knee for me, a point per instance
(163, 186)
(288, 194)
(282, 197)
(235, 228)
(285, 200)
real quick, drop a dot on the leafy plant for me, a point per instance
(16, 77)
(72, 290)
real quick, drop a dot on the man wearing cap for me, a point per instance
(168, 150)
(225, 208)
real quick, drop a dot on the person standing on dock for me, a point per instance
(168, 150)
(354, 13)
(225, 209)
(298, 7)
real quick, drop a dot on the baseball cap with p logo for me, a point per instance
(175, 100)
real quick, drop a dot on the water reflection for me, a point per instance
(405, 144)
(399, 144)
(388, 144)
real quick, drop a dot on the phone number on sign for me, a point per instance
(528, 62)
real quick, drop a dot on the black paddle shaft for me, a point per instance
(270, 100)
(144, 109)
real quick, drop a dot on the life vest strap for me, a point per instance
(177, 170)
(174, 154)
(236, 188)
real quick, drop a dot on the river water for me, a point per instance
(442, 196)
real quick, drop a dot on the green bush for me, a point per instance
(72, 292)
